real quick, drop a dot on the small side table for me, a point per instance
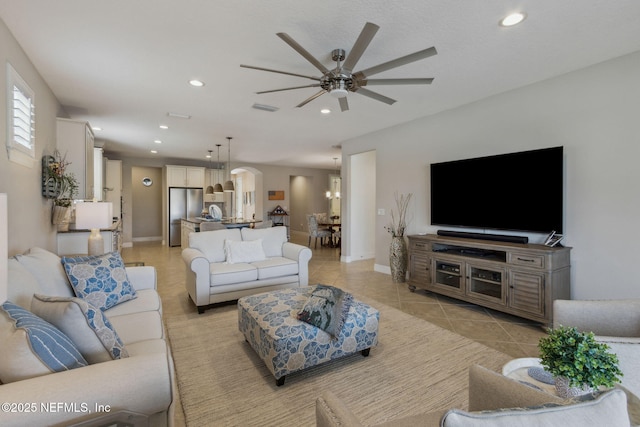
(517, 369)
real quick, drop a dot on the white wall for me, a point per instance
(593, 113)
(3, 248)
(361, 242)
(29, 222)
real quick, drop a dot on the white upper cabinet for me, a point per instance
(75, 144)
(185, 176)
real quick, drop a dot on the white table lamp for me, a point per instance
(94, 216)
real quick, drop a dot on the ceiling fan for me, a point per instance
(342, 80)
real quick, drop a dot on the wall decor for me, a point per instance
(276, 195)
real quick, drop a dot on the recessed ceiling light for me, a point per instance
(196, 83)
(96, 128)
(154, 151)
(165, 127)
(325, 111)
(513, 19)
(157, 141)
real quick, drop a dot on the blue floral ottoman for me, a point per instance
(286, 344)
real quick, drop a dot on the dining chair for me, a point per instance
(315, 231)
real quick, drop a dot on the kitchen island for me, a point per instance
(192, 225)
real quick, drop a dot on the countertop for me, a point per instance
(230, 221)
(72, 228)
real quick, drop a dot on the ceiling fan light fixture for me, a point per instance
(339, 93)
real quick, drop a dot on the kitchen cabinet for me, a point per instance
(74, 140)
(185, 176)
(113, 186)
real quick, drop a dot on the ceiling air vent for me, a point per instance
(265, 107)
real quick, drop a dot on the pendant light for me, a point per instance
(228, 186)
(209, 189)
(217, 189)
(336, 192)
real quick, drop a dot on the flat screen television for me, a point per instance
(518, 191)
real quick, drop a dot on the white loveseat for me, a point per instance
(224, 265)
(142, 383)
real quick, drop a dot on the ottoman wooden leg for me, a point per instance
(280, 381)
(365, 352)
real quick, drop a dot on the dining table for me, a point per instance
(332, 226)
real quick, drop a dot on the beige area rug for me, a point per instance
(416, 367)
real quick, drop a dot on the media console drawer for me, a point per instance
(528, 260)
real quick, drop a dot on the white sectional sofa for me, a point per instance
(142, 383)
(224, 265)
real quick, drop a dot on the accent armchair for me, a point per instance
(614, 322)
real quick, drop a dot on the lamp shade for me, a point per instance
(228, 187)
(94, 215)
(209, 190)
(217, 189)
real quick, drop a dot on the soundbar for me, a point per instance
(483, 236)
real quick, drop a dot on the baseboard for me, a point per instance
(147, 239)
(382, 269)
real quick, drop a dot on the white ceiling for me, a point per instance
(123, 65)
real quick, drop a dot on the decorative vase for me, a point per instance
(398, 259)
(564, 390)
(61, 216)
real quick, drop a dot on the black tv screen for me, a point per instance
(517, 191)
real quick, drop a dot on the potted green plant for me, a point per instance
(578, 363)
(61, 186)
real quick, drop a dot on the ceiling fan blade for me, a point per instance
(279, 72)
(416, 56)
(288, 88)
(376, 96)
(365, 37)
(291, 42)
(311, 98)
(344, 104)
(378, 82)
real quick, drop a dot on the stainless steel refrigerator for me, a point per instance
(183, 203)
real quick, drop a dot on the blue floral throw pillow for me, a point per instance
(100, 280)
(327, 308)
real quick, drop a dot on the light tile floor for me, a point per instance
(512, 335)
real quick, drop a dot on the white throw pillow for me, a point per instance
(240, 251)
(48, 271)
(272, 238)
